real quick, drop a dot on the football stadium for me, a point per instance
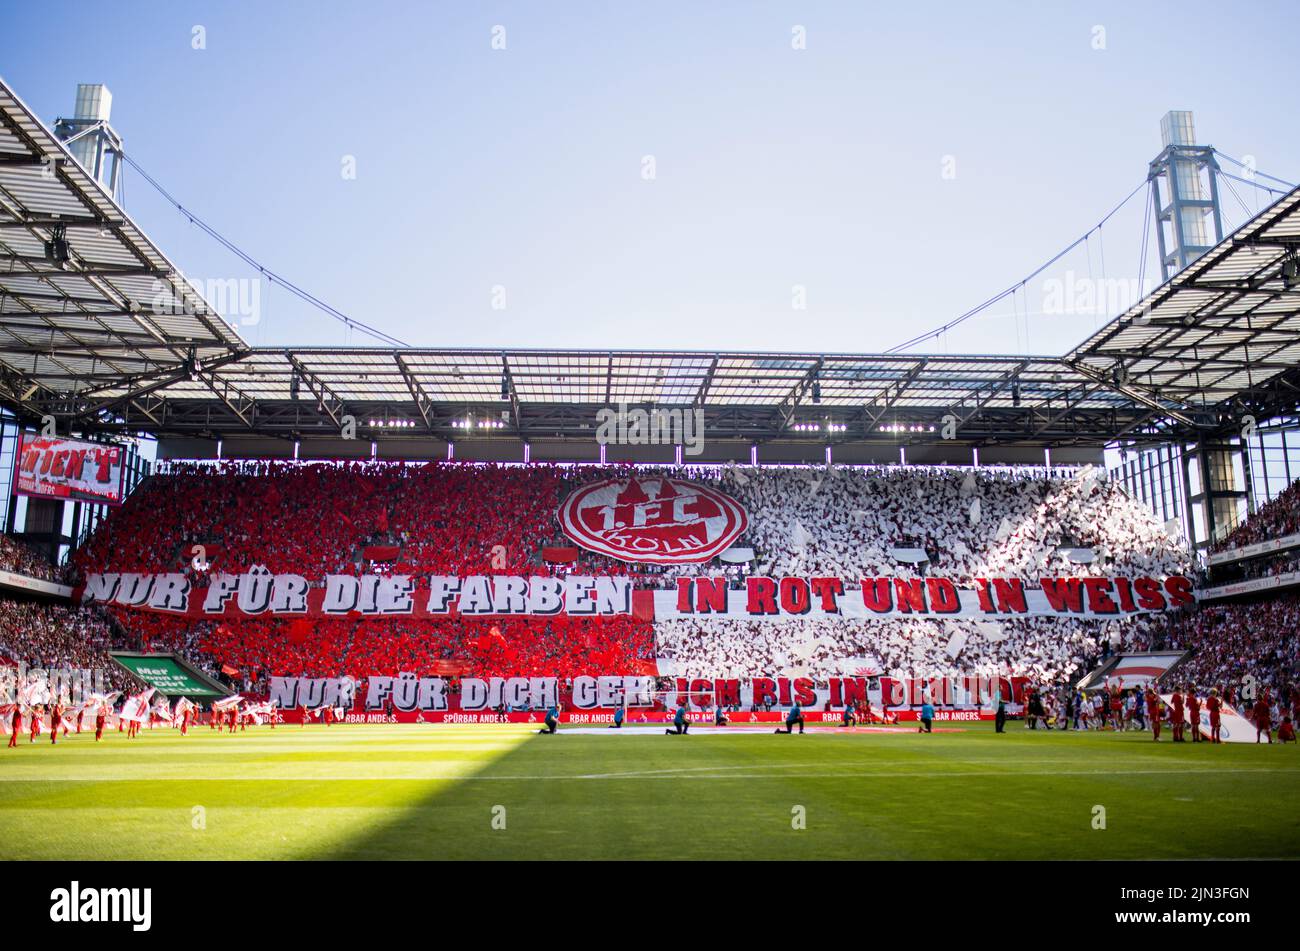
(356, 598)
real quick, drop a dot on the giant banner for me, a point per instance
(408, 694)
(776, 599)
(51, 467)
(259, 593)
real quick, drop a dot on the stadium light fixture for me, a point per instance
(1291, 271)
(56, 249)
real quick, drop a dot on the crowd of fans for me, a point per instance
(1275, 519)
(467, 519)
(454, 518)
(60, 637)
(1230, 641)
(479, 519)
(971, 523)
(1043, 649)
(249, 652)
(1266, 566)
(458, 519)
(23, 560)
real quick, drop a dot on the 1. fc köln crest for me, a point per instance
(656, 521)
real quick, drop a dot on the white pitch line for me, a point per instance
(439, 773)
(676, 774)
(693, 769)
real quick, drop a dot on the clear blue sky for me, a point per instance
(774, 167)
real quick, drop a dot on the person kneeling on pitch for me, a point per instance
(927, 717)
(680, 725)
(552, 720)
(618, 719)
(1286, 732)
(794, 716)
(850, 718)
(719, 718)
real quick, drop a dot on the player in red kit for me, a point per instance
(15, 727)
(56, 721)
(1263, 719)
(1194, 713)
(101, 717)
(1177, 716)
(1286, 730)
(1153, 712)
(1214, 705)
(38, 712)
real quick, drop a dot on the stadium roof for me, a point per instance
(116, 311)
(1225, 329)
(115, 340)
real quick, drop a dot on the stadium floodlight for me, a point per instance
(56, 249)
(1291, 272)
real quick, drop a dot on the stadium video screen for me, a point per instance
(51, 467)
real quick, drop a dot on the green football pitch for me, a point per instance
(503, 792)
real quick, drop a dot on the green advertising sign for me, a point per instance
(170, 675)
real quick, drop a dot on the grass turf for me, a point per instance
(432, 792)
